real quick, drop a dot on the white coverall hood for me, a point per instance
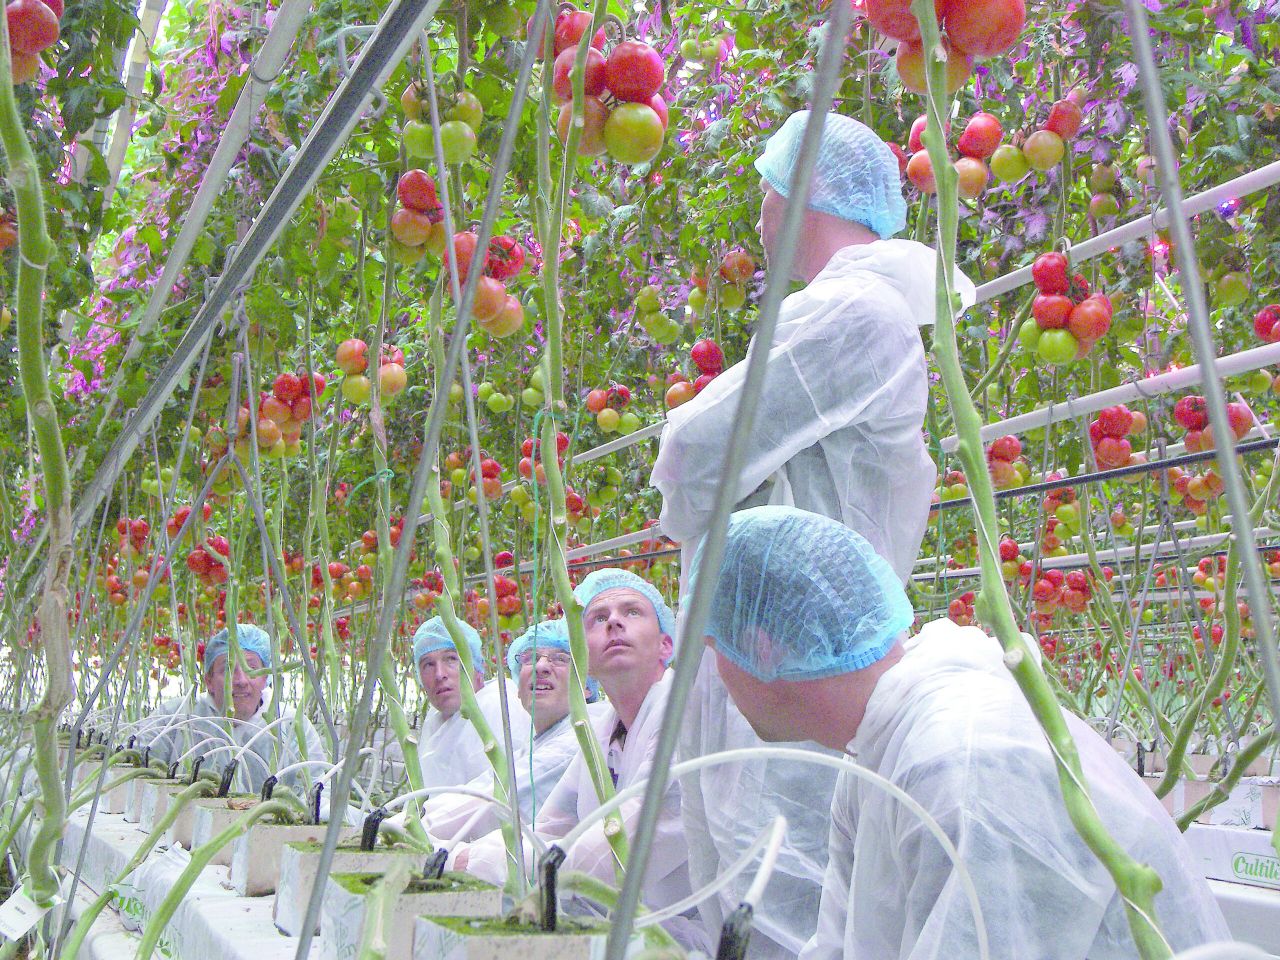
(949, 725)
(449, 750)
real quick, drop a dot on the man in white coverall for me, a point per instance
(177, 727)
(540, 662)
(838, 432)
(628, 630)
(449, 749)
(808, 628)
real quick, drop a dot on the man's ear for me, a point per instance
(668, 648)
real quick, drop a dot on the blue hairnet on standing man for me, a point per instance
(808, 630)
(837, 431)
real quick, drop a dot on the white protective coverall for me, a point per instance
(949, 726)
(574, 798)
(268, 752)
(837, 432)
(449, 750)
(453, 818)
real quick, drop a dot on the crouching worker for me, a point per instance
(809, 628)
(450, 752)
(265, 737)
(540, 662)
(629, 631)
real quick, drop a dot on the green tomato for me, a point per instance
(649, 299)
(472, 553)
(690, 49)
(1231, 290)
(1259, 381)
(1029, 335)
(458, 140)
(531, 398)
(483, 392)
(1009, 164)
(456, 394)
(628, 423)
(697, 301)
(711, 51)
(467, 108)
(668, 331)
(529, 511)
(418, 141)
(1057, 346)
(519, 495)
(633, 133)
(458, 476)
(498, 403)
(537, 380)
(732, 297)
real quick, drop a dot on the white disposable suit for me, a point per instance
(574, 798)
(837, 432)
(450, 751)
(949, 725)
(453, 818)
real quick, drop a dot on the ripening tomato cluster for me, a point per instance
(280, 417)
(652, 319)
(1044, 147)
(369, 539)
(351, 359)
(208, 561)
(1063, 511)
(1066, 319)
(461, 473)
(1006, 464)
(133, 535)
(460, 119)
(1109, 436)
(624, 115)
(1266, 323)
(173, 526)
(979, 141)
(737, 267)
(418, 225)
(960, 610)
(971, 30)
(33, 28)
(1192, 413)
(530, 465)
(1011, 559)
(498, 313)
(1053, 591)
(610, 409)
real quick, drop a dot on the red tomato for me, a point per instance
(506, 258)
(984, 28)
(634, 71)
(1065, 118)
(594, 116)
(1049, 271)
(1089, 320)
(1051, 310)
(33, 26)
(594, 73)
(982, 134)
(417, 191)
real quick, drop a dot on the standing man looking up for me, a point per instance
(837, 431)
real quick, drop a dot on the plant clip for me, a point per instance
(314, 805)
(369, 833)
(735, 934)
(173, 770)
(268, 785)
(195, 769)
(228, 772)
(433, 869)
(547, 869)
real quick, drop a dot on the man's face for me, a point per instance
(544, 684)
(623, 636)
(246, 691)
(772, 208)
(770, 708)
(441, 673)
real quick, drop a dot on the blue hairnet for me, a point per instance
(800, 596)
(553, 634)
(432, 636)
(615, 578)
(856, 176)
(252, 639)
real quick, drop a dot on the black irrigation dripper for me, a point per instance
(79, 735)
(547, 871)
(369, 833)
(314, 805)
(146, 756)
(133, 738)
(268, 785)
(433, 869)
(735, 934)
(228, 774)
(173, 770)
(195, 769)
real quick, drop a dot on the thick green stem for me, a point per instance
(1222, 789)
(1136, 883)
(35, 249)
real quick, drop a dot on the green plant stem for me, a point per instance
(1136, 883)
(201, 788)
(1222, 789)
(35, 249)
(201, 857)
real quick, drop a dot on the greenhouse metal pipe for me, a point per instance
(1208, 367)
(426, 466)
(396, 31)
(1247, 183)
(689, 651)
(1115, 473)
(1202, 339)
(263, 71)
(139, 56)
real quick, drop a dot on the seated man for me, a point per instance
(629, 642)
(809, 626)
(539, 660)
(449, 749)
(216, 730)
